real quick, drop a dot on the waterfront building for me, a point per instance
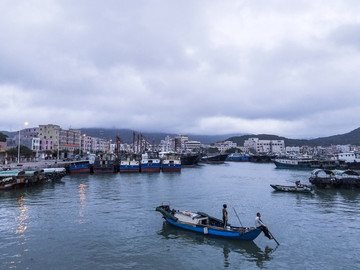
(28, 137)
(180, 142)
(49, 136)
(86, 142)
(292, 149)
(265, 146)
(223, 146)
(100, 145)
(192, 145)
(167, 145)
(69, 140)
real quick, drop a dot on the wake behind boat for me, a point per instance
(203, 223)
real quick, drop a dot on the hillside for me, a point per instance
(126, 135)
(352, 137)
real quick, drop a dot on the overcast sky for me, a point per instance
(290, 68)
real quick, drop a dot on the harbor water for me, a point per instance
(109, 222)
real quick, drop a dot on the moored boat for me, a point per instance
(308, 163)
(105, 163)
(12, 179)
(81, 166)
(170, 162)
(335, 178)
(215, 159)
(150, 162)
(203, 223)
(190, 159)
(261, 158)
(129, 165)
(238, 157)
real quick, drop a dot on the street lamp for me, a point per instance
(82, 143)
(25, 124)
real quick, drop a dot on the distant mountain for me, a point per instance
(9, 134)
(352, 137)
(126, 135)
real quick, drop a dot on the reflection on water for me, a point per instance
(247, 249)
(23, 216)
(20, 231)
(82, 192)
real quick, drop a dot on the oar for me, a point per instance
(274, 238)
(238, 217)
(271, 235)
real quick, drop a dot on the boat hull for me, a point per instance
(171, 168)
(75, 170)
(190, 160)
(129, 168)
(248, 236)
(151, 169)
(302, 189)
(218, 159)
(79, 167)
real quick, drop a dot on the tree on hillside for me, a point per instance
(3, 137)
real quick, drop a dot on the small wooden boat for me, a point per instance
(297, 188)
(203, 223)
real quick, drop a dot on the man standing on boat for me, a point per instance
(260, 225)
(225, 215)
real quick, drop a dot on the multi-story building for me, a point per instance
(93, 144)
(223, 146)
(167, 145)
(86, 142)
(27, 137)
(265, 146)
(49, 137)
(192, 145)
(180, 142)
(69, 139)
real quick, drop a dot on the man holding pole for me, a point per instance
(260, 225)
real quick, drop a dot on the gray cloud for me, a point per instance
(205, 67)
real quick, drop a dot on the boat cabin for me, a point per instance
(192, 218)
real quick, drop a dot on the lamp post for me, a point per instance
(82, 143)
(25, 124)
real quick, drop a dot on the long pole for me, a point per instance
(238, 217)
(274, 238)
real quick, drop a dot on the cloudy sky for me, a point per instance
(290, 68)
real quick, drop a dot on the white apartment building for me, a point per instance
(265, 146)
(192, 145)
(223, 146)
(167, 145)
(180, 142)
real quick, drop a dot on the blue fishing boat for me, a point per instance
(81, 166)
(170, 162)
(238, 157)
(203, 223)
(150, 162)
